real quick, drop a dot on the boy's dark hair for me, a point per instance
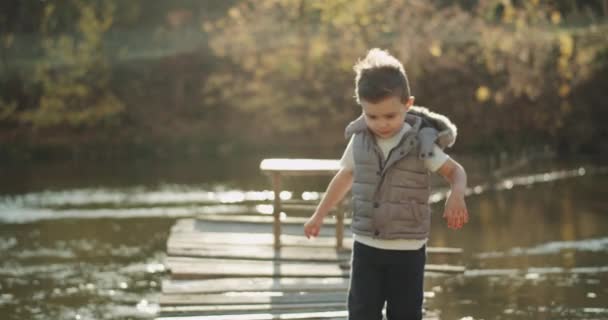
(379, 76)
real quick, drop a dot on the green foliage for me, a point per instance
(74, 73)
(274, 72)
(7, 110)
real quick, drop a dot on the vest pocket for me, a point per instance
(423, 213)
(405, 211)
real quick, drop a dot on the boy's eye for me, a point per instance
(372, 117)
(390, 116)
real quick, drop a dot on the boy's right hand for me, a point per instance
(313, 226)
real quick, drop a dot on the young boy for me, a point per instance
(393, 146)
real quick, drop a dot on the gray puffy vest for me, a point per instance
(390, 196)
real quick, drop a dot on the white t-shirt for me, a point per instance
(386, 145)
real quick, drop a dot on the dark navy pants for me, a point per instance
(392, 276)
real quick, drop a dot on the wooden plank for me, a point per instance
(250, 239)
(192, 268)
(250, 308)
(285, 284)
(252, 301)
(237, 227)
(326, 315)
(234, 285)
(444, 268)
(262, 219)
(301, 207)
(334, 315)
(265, 252)
(195, 239)
(293, 254)
(269, 297)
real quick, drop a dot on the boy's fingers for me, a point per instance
(314, 231)
(454, 220)
(459, 220)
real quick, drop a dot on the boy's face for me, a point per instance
(385, 118)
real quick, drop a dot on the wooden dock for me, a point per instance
(229, 269)
(232, 267)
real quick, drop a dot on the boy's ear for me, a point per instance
(409, 103)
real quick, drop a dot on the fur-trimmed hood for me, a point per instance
(444, 133)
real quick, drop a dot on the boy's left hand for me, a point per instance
(455, 211)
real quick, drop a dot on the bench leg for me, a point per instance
(340, 225)
(276, 227)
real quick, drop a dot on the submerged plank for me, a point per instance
(269, 297)
(254, 284)
(326, 315)
(261, 219)
(273, 298)
(192, 268)
(250, 308)
(341, 315)
(261, 252)
(236, 285)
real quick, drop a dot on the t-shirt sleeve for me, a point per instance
(348, 161)
(437, 160)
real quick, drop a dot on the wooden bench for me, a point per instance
(277, 168)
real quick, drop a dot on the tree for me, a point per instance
(74, 74)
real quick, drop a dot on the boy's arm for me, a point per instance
(455, 207)
(336, 190)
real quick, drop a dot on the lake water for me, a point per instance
(88, 242)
